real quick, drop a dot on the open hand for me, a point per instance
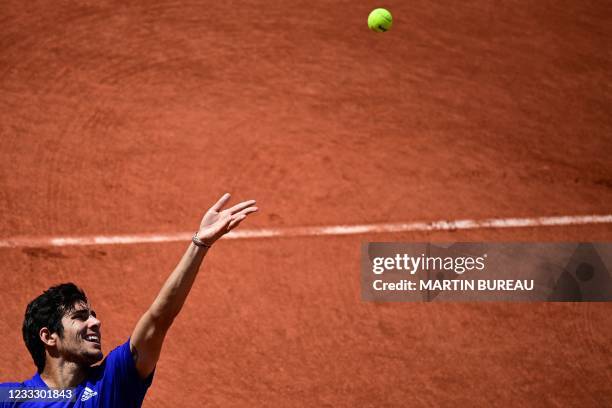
(218, 222)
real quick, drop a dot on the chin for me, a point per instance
(94, 357)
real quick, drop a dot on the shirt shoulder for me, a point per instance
(120, 361)
(6, 386)
(4, 390)
(116, 382)
(34, 381)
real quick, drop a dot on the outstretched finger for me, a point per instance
(235, 222)
(241, 206)
(246, 211)
(222, 201)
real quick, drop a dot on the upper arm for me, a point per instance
(146, 343)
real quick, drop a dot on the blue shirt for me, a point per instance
(113, 384)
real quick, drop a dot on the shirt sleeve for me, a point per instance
(120, 370)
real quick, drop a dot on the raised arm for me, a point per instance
(151, 329)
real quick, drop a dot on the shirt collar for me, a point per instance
(36, 381)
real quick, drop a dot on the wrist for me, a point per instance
(199, 243)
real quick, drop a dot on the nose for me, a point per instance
(94, 322)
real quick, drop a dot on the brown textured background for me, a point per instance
(124, 117)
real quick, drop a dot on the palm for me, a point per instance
(217, 221)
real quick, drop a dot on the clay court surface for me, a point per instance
(125, 118)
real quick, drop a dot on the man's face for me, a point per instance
(81, 341)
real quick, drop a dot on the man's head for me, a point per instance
(61, 324)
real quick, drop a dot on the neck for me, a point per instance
(62, 374)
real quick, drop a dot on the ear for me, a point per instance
(50, 339)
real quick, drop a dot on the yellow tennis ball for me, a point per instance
(380, 20)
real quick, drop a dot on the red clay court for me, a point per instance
(132, 118)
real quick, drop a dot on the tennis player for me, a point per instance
(63, 334)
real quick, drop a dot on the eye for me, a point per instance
(84, 315)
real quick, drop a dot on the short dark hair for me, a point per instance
(47, 311)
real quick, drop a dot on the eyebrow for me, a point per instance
(83, 312)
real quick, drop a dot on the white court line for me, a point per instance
(29, 242)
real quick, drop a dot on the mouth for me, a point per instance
(92, 338)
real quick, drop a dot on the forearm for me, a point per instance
(175, 290)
